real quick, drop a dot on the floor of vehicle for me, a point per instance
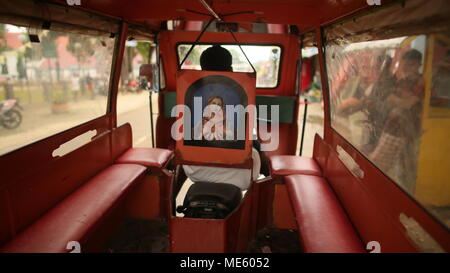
(275, 240)
(152, 236)
(140, 236)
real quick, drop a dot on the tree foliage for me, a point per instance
(3, 45)
(81, 47)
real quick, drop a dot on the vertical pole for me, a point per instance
(150, 53)
(298, 89)
(304, 124)
(151, 119)
(325, 87)
(115, 74)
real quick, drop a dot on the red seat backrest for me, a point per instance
(33, 181)
(121, 140)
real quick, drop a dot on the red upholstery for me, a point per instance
(149, 157)
(290, 164)
(121, 140)
(33, 181)
(322, 223)
(78, 214)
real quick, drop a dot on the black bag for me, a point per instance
(210, 200)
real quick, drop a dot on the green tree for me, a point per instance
(49, 50)
(21, 69)
(82, 48)
(3, 47)
(143, 49)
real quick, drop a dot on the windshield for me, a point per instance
(265, 59)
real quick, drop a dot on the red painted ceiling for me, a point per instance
(303, 13)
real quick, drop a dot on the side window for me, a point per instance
(390, 99)
(311, 90)
(50, 85)
(377, 93)
(133, 97)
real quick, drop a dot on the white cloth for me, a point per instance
(75, 82)
(238, 177)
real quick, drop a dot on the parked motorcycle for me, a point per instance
(133, 86)
(10, 115)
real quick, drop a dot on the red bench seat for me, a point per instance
(323, 225)
(51, 200)
(281, 165)
(74, 218)
(148, 157)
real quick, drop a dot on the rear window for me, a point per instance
(265, 59)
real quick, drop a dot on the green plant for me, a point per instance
(59, 98)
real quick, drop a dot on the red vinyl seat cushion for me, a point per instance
(282, 165)
(323, 225)
(77, 215)
(149, 157)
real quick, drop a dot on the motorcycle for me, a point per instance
(133, 86)
(10, 115)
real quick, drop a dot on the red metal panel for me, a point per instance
(166, 186)
(266, 193)
(144, 200)
(33, 180)
(163, 127)
(305, 13)
(372, 223)
(395, 200)
(374, 202)
(32, 195)
(6, 217)
(206, 155)
(78, 215)
(254, 211)
(197, 235)
(231, 234)
(238, 241)
(121, 140)
(320, 152)
(283, 214)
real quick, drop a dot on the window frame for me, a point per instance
(280, 65)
